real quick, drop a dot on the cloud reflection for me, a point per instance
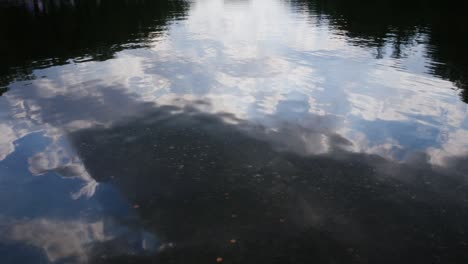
(263, 101)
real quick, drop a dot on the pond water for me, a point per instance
(235, 131)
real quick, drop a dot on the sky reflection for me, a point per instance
(287, 64)
(271, 101)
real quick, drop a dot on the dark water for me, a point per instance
(235, 131)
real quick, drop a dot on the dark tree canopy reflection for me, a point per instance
(374, 24)
(45, 33)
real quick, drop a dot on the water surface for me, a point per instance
(235, 131)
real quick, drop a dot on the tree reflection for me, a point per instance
(3, 90)
(45, 33)
(376, 24)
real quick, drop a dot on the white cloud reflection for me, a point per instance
(252, 59)
(58, 239)
(259, 61)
